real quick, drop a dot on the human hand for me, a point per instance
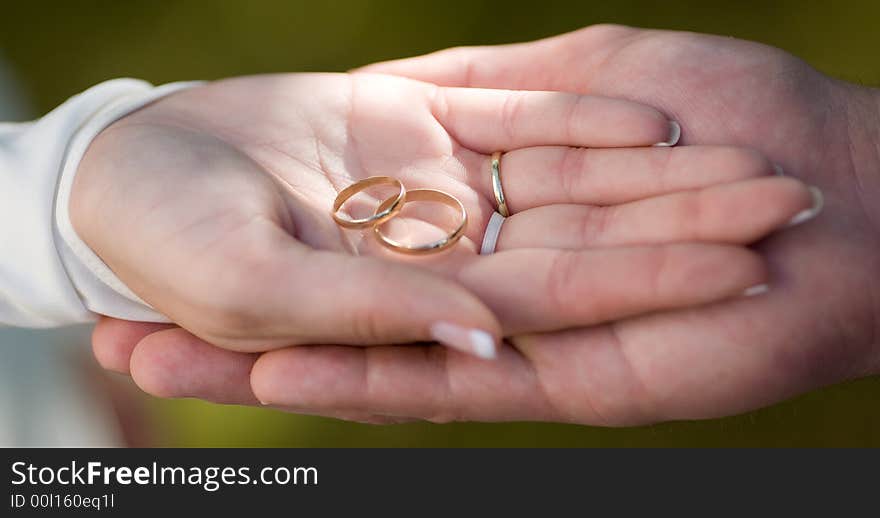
(625, 178)
(213, 204)
(819, 323)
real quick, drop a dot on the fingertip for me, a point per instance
(307, 376)
(274, 373)
(476, 342)
(114, 340)
(816, 204)
(745, 269)
(457, 318)
(152, 369)
(761, 205)
(105, 351)
(423, 298)
(756, 290)
(375, 301)
(674, 135)
(717, 271)
(473, 313)
(631, 124)
(175, 364)
(782, 201)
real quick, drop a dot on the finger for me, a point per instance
(558, 289)
(173, 363)
(113, 341)
(539, 176)
(734, 213)
(512, 66)
(491, 120)
(177, 364)
(427, 382)
(286, 293)
(715, 361)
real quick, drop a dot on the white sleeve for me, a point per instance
(48, 275)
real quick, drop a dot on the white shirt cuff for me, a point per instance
(48, 275)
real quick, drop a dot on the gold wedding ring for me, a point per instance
(387, 210)
(434, 246)
(496, 185)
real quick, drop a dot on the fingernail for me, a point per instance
(756, 290)
(472, 341)
(808, 214)
(779, 170)
(674, 135)
(264, 403)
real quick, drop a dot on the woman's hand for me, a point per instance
(567, 258)
(213, 204)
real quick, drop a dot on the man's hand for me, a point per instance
(819, 323)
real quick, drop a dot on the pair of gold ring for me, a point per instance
(392, 206)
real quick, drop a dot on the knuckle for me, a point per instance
(594, 223)
(658, 272)
(576, 114)
(560, 281)
(466, 63)
(511, 113)
(369, 321)
(571, 168)
(444, 407)
(690, 215)
(439, 103)
(367, 324)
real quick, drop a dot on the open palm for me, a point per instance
(563, 262)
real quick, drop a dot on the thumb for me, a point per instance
(539, 65)
(297, 295)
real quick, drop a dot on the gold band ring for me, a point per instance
(387, 210)
(496, 185)
(434, 246)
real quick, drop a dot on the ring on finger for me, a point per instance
(490, 237)
(497, 189)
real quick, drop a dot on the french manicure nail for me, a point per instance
(674, 135)
(756, 290)
(808, 214)
(472, 341)
(778, 170)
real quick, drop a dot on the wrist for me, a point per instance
(83, 202)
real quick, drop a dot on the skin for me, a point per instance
(584, 360)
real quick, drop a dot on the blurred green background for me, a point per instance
(60, 48)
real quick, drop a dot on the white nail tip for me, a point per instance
(472, 341)
(808, 214)
(778, 170)
(756, 290)
(483, 344)
(674, 135)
